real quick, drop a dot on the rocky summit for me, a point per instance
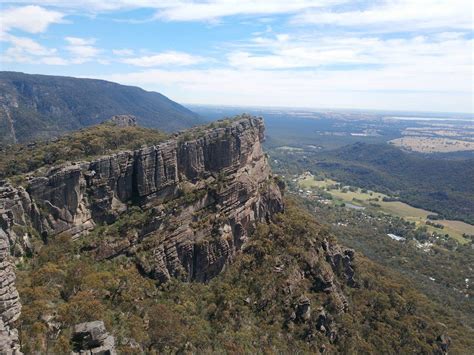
(217, 183)
(123, 120)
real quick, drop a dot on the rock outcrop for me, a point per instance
(93, 338)
(202, 191)
(9, 301)
(205, 188)
(123, 120)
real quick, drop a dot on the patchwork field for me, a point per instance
(374, 200)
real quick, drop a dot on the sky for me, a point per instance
(412, 55)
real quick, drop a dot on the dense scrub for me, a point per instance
(249, 308)
(83, 144)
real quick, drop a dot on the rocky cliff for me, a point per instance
(200, 194)
(9, 301)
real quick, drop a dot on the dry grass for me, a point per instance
(432, 144)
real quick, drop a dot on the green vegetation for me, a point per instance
(439, 185)
(83, 144)
(200, 131)
(437, 265)
(246, 309)
(386, 204)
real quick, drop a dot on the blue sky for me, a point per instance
(382, 54)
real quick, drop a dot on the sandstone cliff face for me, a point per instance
(206, 190)
(9, 301)
(203, 192)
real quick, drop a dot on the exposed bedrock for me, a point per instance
(206, 189)
(9, 301)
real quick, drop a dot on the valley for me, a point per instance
(311, 187)
(327, 129)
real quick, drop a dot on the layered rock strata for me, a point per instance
(202, 192)
(206, 189)
(9, 301)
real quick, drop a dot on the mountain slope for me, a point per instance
(42, 106)
(292, 289)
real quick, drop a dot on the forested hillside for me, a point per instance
(291, 288)
(43, 106)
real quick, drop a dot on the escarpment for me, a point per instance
(202, 192)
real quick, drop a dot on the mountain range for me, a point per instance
(43, 106)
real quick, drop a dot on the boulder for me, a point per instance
(303, 309)
(92, 338)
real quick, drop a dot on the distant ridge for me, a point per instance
(43, 106)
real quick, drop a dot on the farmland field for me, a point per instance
(374, 200)
(433, 144)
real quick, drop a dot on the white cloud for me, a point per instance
(164, 58)
(76, 41)
(96, 5)
(432, 72)
(209, 10)
(82, 49)
(404, 14)
(27, 45)
(190, 10)
(32, 19)
(26, 50)
(54, 61)
(123, 52)
(450, 50)
(384, 13)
